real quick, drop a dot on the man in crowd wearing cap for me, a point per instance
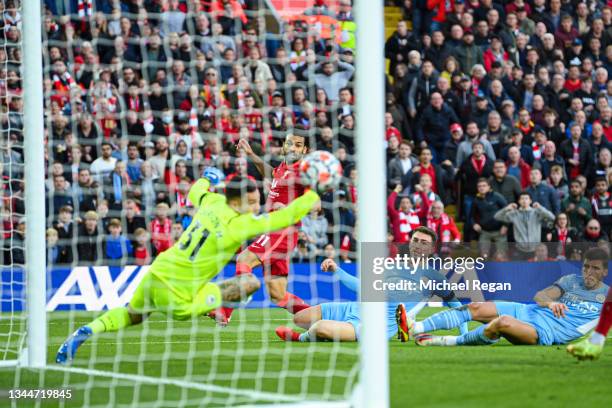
(449, 156)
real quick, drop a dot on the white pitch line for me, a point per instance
(251, 394)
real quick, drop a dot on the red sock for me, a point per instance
(605, 320)
(241, 269)
(292, 303)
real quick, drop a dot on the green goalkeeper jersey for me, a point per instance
(214, 235)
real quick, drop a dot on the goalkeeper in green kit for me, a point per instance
(178, 283)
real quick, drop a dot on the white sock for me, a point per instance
(305, 336)
(598, 339)
(450, 340)
(418, 328)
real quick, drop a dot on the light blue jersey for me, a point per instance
(414, 301)
(583, 309)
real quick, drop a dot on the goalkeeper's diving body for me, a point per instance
(340, 321)
(562, 312)
(178, 283)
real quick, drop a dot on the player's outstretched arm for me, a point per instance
(348, 280)
(262, 167)
(250, 225)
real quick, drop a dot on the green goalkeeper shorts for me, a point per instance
(153, 295)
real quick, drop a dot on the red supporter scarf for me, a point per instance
(479, 164)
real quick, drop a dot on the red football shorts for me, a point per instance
(274, 250)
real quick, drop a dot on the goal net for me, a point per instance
(139, 99)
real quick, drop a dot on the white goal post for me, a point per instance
(373, 388)
(34, 184)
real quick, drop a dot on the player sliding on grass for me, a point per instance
(273, 251)
(563, 312)
(178, 281)
(591, 347)
(340, 321)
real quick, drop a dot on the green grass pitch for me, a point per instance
(501, 375)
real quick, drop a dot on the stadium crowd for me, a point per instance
(141, 96)
(497, 119)
(502, 109)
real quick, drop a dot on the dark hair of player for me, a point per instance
(239, 186)
(597, 254)
(427, 231)
(301, 132)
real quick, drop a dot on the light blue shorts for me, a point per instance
(342, 312)
(525, 313)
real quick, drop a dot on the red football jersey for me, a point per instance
(286, 185)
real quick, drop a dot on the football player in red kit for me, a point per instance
(273, 251)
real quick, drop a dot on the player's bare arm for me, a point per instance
(549, 298)
(262, 167)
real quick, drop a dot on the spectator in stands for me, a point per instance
(105, 164)
(399, 45)
(468, 54)
(421, 89)
(116, 245)
(61, 195)
(563, 233)
(517, 167)
(160, 228)
(602, 205)
(116, 186)
(88, 243)
(593, 233)
(576, 152)
(504, 184)
(84, 192)
(132, 217)
(486, 204)
(472, 136)
(400, 168)
(403, 218)
(558, 182)
(433, 126)
(55, 253)
(550, 159)
(576, 206)
(527, 222)
(331, 79)
(14, 246)
(542, 193)
(439, 175)
(134, 162)
(476, 166)
(142, 251)
(442, 224)
(314, 226)
(452, 146)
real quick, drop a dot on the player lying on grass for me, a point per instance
(178, 282)
(273, 251)
(591, 347)
(563, 312)
(340, 321)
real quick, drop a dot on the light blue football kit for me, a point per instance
(414, 300)
(583, 309)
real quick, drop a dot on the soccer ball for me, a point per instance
(321, 170)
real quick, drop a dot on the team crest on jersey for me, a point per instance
(600, 298)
